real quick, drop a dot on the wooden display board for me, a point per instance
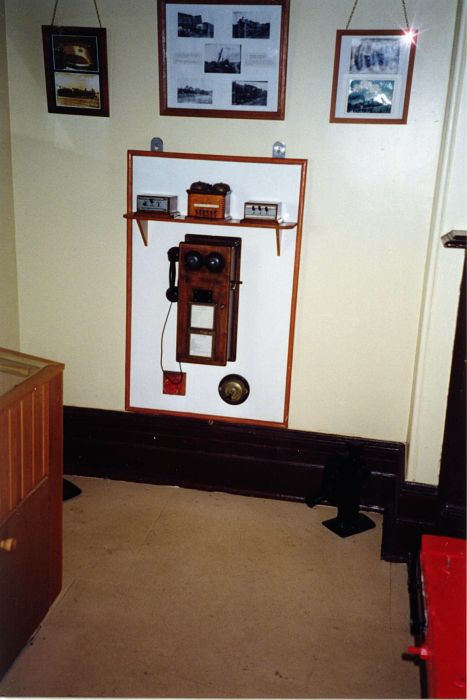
(270, 256)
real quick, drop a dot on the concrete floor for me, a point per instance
(177, 593)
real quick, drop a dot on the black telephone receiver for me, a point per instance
(172, 292)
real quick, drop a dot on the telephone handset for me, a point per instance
(207, 295)
(172, 292)
(193, 260)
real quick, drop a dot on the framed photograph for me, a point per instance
(372, 76)
(223, 59)
(75, 60)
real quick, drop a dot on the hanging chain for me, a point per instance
(351, 14)
(405, 14)
(100, 25)
(404, 8)
(55, 10)
(95, 6)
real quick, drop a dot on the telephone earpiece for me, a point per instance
(172, 291)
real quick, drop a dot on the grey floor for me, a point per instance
(178, 593)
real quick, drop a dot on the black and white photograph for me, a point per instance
(75, 53)
(372, 76)
(249, 92)
(222, 58)
(75, 63)
(192, 92)
(251, 25)
(375, 55)
(77, 90)
(194, 26)
(370, 96)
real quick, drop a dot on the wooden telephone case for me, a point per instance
(208, 296)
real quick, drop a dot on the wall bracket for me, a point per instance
(278, 150)
(157, 144)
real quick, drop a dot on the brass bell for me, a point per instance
(234, 389)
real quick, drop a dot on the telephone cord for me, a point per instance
(164, 371)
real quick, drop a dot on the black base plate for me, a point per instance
(342, 529)
(69, 490)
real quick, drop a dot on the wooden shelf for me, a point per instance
(142, 219)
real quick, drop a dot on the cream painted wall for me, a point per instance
(367, 211)
(442, 281)
(9, 317)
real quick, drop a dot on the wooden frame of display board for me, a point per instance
(268, 293)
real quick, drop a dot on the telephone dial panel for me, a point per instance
(207, 295)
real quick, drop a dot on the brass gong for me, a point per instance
(234, 389)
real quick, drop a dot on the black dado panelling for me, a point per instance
(254, 460)
(249, 460)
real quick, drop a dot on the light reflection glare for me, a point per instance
(409, 36)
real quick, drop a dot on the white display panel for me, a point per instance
(202, 316)
(200, 345)
(248, 181)
(266, 294)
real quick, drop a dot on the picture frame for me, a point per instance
(372, 76)
(75, 62)
(223, 59)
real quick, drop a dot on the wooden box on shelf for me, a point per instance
(208, 206)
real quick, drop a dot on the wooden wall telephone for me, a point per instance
(207, 294)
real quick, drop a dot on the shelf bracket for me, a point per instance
(143, 228)
(278, 150)
(278, 241)
(157, 144)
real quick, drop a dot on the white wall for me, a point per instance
(367, 211)
(9, 316)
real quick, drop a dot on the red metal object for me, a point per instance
(443, 566)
